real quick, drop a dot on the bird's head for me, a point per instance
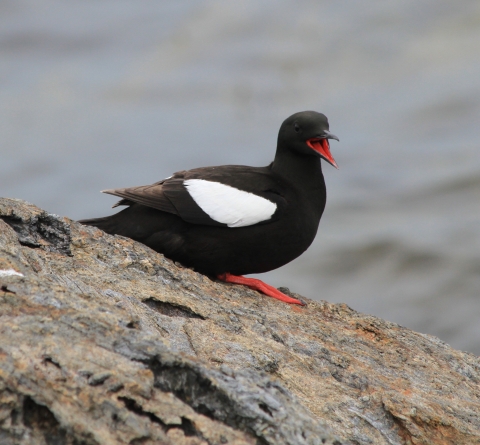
(308, 133)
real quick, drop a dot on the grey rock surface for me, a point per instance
(103, 341)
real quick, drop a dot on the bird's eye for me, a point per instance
(296, 127)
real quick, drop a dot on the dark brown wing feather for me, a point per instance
(148, 195)
(168, 195)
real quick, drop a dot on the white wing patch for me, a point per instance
(228, 205)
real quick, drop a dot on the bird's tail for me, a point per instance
(107, 223)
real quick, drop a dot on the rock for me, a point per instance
(103, 341)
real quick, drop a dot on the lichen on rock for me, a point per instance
(104, 341)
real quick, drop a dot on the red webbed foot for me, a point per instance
(260, 286)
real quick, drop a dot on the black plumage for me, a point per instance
(166, 217)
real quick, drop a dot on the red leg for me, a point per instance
(259, 285)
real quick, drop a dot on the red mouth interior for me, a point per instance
(319, 144)
(322, 147)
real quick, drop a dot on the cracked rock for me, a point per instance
(103, 341)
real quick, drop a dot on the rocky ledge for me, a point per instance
(103, 341)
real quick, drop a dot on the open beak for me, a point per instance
(322, 147)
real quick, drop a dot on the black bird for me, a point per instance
(232, 220)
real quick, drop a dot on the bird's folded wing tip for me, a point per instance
(109, 191)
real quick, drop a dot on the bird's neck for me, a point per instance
(298, 168)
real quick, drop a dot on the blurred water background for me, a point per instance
(112, 93)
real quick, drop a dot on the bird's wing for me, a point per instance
(148, 195)
(232, 196)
